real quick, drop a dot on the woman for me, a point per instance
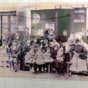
(60, 59)
(79, 60)
(78, 65)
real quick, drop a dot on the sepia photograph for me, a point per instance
(44, 40)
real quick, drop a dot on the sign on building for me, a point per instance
(79, 15)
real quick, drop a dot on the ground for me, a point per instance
(8, 72)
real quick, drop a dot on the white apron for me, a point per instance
(78, 64)
(59, 55)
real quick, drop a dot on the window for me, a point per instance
(13, 19)
(13, 23)
(21, 18)
(35, 18)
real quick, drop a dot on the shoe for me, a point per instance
(16, 70)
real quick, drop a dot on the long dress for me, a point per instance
(29, 58)
(47, 57)
(78, 65)
(39, 58)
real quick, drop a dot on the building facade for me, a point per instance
(36, 21)
(7, 23)
(59, 20)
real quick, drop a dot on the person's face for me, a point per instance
(78, 43)
(39, 50)
(56, 48)
(48, 50)
(14, 43)
(50, 32)
(50, 44)
(46, 41)
(41, 41)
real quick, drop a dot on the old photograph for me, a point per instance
(44, 40)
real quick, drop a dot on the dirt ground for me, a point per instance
(8, 72)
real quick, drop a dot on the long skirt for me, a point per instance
(78, 65)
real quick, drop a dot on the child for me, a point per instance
(39, 60)
(48, 60)
(29, 58)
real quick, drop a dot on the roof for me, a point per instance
(52, 5)
(41, 5)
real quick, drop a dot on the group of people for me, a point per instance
(47, 55)
(16, 50)
(42, 56)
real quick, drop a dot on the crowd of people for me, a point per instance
(46, 55)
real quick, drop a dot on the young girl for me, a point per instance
(29, 58)
(48, 60)
(39, 60)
